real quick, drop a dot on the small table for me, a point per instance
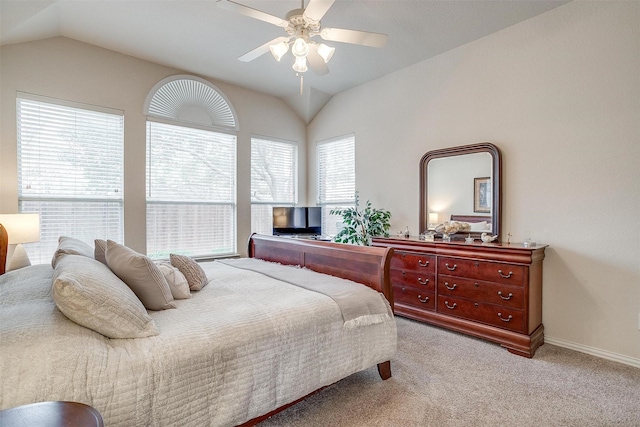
(51, 414)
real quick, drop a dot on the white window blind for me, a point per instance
(274, 172)
(191, 191)
(70, 171)
(336, 179)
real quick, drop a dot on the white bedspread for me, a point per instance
(358, 305)
(239, 348)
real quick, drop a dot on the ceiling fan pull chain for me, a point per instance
(301, 84)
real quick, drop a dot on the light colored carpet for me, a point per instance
(441, 378)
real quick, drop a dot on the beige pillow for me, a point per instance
(195, 275)
(71, 246)
(100, 250)
(141, 274)
(176, 280)
(88, 293)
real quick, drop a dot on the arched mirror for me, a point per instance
(462, 184)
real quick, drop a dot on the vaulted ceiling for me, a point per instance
(201, 38)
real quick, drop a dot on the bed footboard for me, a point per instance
(362, 264)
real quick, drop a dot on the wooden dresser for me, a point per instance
(489, 290)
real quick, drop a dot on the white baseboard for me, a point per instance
(593, 351)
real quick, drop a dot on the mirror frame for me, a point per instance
(484, 147)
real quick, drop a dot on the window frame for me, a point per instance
(67, 196)
(328, 205)
(231, 202)
(293, 201)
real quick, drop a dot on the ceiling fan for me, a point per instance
(301, 25)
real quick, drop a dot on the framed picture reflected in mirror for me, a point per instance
(482, 194)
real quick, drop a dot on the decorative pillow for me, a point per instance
(195, 275)
(141, 274)
(71, 246)
(88, 293)
(176, 280)
(479, 226)
(100, 250)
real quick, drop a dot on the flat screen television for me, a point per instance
(291, 221)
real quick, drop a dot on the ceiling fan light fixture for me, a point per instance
(300, 65)
(279, 49)
(326, 52)
(300, 48)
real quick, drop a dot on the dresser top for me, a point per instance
(509, 252)
(478, 243)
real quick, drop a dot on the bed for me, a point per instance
(479, 224)
(248, 344)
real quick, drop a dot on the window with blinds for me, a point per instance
(336, 179)
(191, 191)
(274, 172)
(70, 171)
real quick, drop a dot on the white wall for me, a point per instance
(74, 71)
(559, 94)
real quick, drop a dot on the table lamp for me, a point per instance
(20, 228)
(433, 220)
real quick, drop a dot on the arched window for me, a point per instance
(191, 169)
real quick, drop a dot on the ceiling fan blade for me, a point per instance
(316, 62)
(261, 50)
(252, 13)
(317, 8)
(354, 36)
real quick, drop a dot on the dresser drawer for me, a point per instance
(502, 317)
(414, 279)
(414, 261)
(408, 295)
(479, 291)
(510, 274)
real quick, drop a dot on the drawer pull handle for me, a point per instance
(505, 276)
(446, 264)
(451, 307)
(423, 264)
(446, 285)
(508, 319)
(423, 281)
(505, 298)
(423, 300)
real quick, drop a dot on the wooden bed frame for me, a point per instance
(362, 264)
(4, 244)
(470, 218)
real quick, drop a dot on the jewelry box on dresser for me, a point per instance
(489, 290)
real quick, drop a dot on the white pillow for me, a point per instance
(141, 275)
(176, 280)
(195, 275)
(71, 246)
(88, 293)
(100, 251)
(479, 226)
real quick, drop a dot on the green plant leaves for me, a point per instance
(361, 225)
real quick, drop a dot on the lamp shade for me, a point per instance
(300, 65)
(279, 49)
(433, 218)
(21, 228)
(325, 52)
(300, 48)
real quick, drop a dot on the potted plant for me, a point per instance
(361, 225)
